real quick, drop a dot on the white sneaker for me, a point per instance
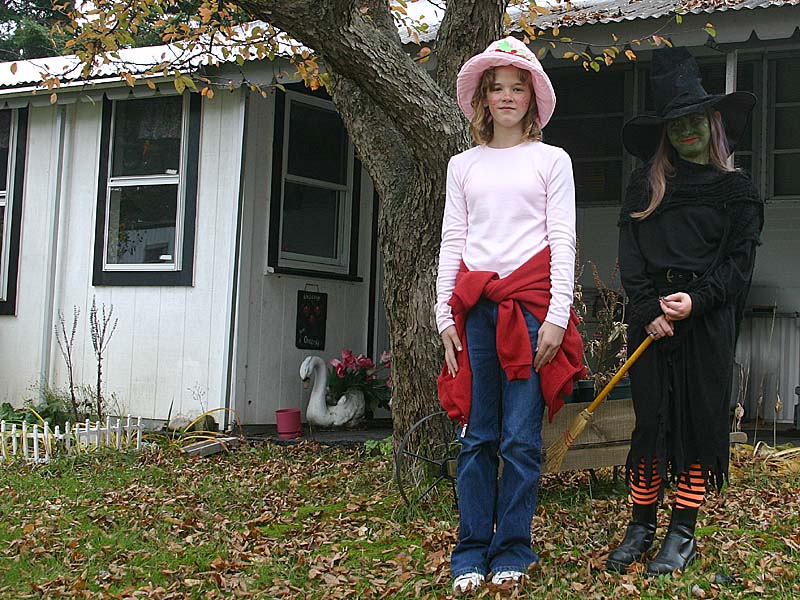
(467, 582)
(507, 576)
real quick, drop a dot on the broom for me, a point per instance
(556, 452)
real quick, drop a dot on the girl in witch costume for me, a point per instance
(689, 228)
(504, 291)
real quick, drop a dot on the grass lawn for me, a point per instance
(309, 521)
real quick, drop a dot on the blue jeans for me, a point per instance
(505, 420)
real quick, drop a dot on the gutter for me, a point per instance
(48, 315)
(233, 355)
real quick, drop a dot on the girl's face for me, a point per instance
(690, 135)
(508, 98)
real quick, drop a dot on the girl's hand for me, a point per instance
(677, 306)
(659, 327)
(547, 344)
(451, 345)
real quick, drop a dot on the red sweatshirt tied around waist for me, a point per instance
(527, 286)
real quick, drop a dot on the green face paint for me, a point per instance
(690, 135)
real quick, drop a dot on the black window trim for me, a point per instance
(771, 106)
(184, 276)
(276, 190)
(15, 193)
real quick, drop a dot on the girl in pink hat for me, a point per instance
(504, 295)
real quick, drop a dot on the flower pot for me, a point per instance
(621, 391)
(582, 391)
(288, 421)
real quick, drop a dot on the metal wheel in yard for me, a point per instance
(428, 471)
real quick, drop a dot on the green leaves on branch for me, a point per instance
(591, 60)
(182, 82)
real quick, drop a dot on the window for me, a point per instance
(314, 218)
(784, 147)
(13, 139)
(147, 192)
(597, 116)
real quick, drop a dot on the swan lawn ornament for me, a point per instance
(348, 410)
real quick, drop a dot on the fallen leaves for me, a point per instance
(307, 521)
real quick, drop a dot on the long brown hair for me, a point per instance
(663, 162)
(482, 126)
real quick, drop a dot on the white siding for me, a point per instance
(776, 280)
(21, 336)
(268, 364)
(769, 350)
(170, 341)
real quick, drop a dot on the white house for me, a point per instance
(236, 235)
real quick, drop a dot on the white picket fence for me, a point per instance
(41, 443)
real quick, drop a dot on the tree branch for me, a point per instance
(355, 47)
(467, 28)
(378, 11)
(380, 147)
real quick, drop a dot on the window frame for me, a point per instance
(772, 105)
(278, 261)
(181, 271)
(10, 237)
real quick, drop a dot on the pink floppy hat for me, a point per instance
(508, 51)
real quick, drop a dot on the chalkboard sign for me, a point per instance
(312, 312)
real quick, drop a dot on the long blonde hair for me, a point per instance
(482, 126)
(663, 162)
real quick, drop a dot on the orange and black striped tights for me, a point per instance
(691, 489)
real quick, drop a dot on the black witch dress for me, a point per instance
(701, 240)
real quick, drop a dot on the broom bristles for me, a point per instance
(558, 450)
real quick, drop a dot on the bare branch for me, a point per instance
(66, 343)
(101, 336)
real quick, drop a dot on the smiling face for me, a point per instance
(690, 135)
(508, 98)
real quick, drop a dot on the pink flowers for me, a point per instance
(352, 363)
(359, 372)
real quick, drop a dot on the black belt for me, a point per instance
(672, 277)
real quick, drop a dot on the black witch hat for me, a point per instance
(678, 91)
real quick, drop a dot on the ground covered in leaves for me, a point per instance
(310, 521)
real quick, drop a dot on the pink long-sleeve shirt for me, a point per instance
(503, 206)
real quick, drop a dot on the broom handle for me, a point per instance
(620, 374)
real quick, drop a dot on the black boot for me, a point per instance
(679, 548)
(637, 541)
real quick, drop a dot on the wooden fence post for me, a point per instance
(24, 440)
(118, 429)
(35, 442)
(47, 441)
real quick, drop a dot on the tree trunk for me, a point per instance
(405, 127)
